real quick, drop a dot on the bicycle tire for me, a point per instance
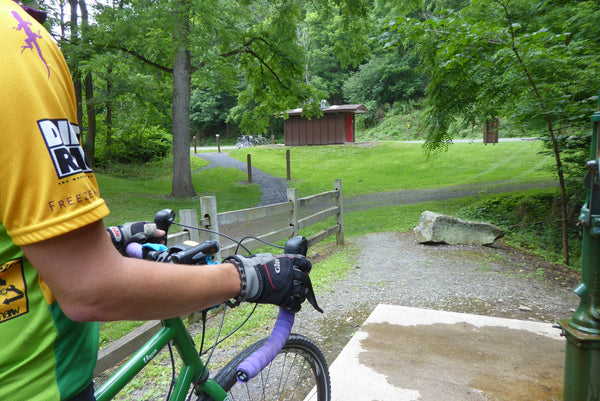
(299, 372)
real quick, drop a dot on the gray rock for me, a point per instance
(435, 227)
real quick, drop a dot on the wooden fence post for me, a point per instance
(288, 165)
(208, 208)
(189, 217)
(249, 160)
(339, 218)
(292, 194)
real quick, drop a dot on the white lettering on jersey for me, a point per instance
(64, 148)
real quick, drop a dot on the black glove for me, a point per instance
(140, 231)
(279, 280)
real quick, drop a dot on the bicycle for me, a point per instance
(284, 366)
(248, 141)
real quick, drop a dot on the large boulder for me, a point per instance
(435, 227)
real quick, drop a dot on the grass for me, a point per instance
(392, 166)
(114, 330)
(133, 199)
(363, 169)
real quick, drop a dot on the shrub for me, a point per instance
(531, 221)
(139, 145)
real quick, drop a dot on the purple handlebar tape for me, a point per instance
(134, 250)
(269, 350)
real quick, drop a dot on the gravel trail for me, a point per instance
(274, 189)
(392, 268)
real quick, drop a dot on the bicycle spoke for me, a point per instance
(298, 373)
(285, 379)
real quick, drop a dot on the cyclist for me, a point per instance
(59, 270)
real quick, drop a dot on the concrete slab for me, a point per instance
(410, 354)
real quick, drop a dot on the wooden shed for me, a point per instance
(336, 126)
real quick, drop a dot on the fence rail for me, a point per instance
(314, 208)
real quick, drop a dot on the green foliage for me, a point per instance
(322, 70)
(525, 60)
(531, 222)
(483, 58)
(156, 169)
(332, 50)
(392, 124)
(209, 111)
(575, 152)
(385, 79)
(141, 145)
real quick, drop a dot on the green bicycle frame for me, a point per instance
(191, 371)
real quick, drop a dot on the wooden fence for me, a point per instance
(298, 213)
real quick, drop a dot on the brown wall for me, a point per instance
(329, 129)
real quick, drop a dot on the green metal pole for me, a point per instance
(582, 330)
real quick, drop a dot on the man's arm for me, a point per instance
(93, 282)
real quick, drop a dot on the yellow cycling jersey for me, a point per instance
(46, 185)
(46, 189)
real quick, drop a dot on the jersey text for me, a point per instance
(64, 148)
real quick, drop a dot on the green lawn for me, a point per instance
(137, 199)
(397, 166)
(364, 169)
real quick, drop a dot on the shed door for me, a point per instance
(349, 127)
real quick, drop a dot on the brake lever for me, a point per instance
(299, 245)
(311, 298)
(163, 220)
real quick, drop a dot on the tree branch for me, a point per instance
(245, 48)
(488, 40)
(143, 59)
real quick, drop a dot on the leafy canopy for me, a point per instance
(470, 57)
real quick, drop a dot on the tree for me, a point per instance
(182, 84)
(251, 49)
(332, 52)
(533, 62)
(77, 48)
(386, 78)
(210, 110)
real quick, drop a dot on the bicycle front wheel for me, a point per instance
(298, 373)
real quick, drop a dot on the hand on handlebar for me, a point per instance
(279, 280)
(140, 231)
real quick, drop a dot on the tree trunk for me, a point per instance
(88, 84)
(109, 125)
(76, 74)
(555, 147)
(182, 173)
(90, 139)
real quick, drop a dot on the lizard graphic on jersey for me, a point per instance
(32, 38)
